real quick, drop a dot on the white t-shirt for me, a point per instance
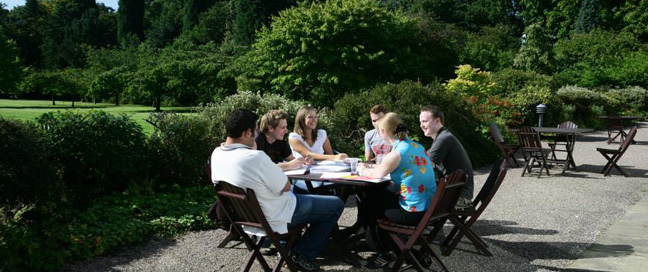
(317, 147)
(239, 165)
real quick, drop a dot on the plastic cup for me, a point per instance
(353, 164)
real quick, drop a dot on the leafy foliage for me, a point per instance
(26, 174)
(348, 124)
(96, 152)
(10, 66)
(321, 51)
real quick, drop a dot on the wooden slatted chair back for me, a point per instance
(567, 124)
(241, 206)
(529, 139)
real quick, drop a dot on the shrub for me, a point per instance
(630, 100)
(583, 100)
(179, 148)
(26, 174)
(525, 101)
(350, 120)
(62, 234)
(217, 113)
(95, 152)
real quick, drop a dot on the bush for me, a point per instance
(26, 174)
(216, 114)
(62, 235)
(630, 100)
(95, 152)
(179, 148)
(350, 119)
(584, 100)
(525, 101)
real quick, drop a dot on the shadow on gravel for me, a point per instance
(560, 250)
(125, 256)
(549, 268)
(497, 227)
(632, 172)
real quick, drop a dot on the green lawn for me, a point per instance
(30, 109)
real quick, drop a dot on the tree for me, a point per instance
(247, 21)
(26, 28)
(165, 19)
(211, 26)
(321, 51)
(534, 54)
(588, 16)
(110, 83)
(192, 9)
(10, 65)
(130, 19)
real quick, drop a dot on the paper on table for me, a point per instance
(299, 171)
(367, 179)
(329, 168)
(334, 175)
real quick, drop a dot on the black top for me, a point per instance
(277, 151)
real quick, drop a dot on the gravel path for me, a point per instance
(532, 224)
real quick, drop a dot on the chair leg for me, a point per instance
(436, 258)
(232, 235)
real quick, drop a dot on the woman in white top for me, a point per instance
(307, 140)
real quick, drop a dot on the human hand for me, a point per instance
(341, 156)
(296, 163)
(308, 160)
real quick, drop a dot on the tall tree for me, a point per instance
(192, 9)
(251, 15)
(534, 53)
(165, 22)
(10, 67)
(588, 16)
(130, 19)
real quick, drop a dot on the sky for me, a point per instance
(12, 3)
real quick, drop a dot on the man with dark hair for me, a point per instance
(446, 151)
(374, 144)
(237, 162)
(274, 126)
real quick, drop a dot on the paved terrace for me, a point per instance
(577, 221)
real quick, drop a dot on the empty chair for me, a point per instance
(565, 141)
(464, 219)
(531, 147)
(445, 198)
(507, 150)
(613, 155)
(244, 211)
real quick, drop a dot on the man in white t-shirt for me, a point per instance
(238, 162)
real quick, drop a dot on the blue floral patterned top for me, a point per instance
(414, 175)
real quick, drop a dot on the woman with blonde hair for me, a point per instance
(306, 140)
(411, 172)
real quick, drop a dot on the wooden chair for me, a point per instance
(243, 209)
(615, 125)
(445, 198)
(564, 140)
(613, 155)
(464, 219)
(508, 150)
(217, 214)
(531, 147)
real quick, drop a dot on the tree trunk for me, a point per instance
(53, 101)
(116, 100)
(157, 102)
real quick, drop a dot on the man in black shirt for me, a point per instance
(274, 126)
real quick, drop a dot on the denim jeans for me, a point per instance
(321, 213)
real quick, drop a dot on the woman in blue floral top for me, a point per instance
(411, 171)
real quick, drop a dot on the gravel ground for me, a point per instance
(532, 224)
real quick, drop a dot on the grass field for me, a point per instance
(30, 109)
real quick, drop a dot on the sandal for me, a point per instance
(380, 260)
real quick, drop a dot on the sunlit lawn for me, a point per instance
(31, 109)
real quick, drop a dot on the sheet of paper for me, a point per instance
(367, 179)
(299, 171)
(334, 175)
(328, 168)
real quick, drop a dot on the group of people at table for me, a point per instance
(256, 158)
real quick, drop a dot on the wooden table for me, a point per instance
(621, 130)
(570, 134)
(351, 187)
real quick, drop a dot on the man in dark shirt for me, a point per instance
(446, 151)
(274, 127)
